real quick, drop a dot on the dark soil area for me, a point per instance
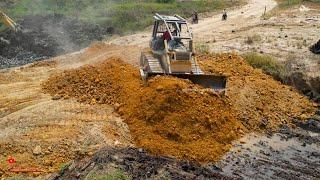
(42, 37)
(292, 153)
(136, 164)
(315, 48)
(309, 86)
(288, 154)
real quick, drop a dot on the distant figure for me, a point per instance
(224, 15)
(166, 36)
(191, 32)
(195, 19)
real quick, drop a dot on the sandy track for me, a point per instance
(63, 130)
(212, 26)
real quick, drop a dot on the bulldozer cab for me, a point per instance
(171, 33)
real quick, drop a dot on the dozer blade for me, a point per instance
(207, 81)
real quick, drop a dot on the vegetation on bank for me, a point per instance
(268, 64)
(288, 3)
(115, 175)
(122, 16)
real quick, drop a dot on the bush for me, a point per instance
(268, 64)
(116, 175)
(202, 48)
(253, 39)
(165, 1)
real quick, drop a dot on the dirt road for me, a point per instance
(212, 27)
(45, 134)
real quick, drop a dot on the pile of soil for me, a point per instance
(136, 164)
(260, 102)
(47, 36)
(174, 117)
(170, 117)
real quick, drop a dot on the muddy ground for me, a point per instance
(289, 153)
(136, 164)
(43, 37)
(255, 156)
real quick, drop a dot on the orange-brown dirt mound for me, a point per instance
(260, 101)
(176, 118)
(170, 117)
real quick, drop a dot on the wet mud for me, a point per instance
(291, 153)
(136, 164)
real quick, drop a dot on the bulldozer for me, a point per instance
(6, 23)
(172, 53)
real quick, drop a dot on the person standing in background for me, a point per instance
(224, 15)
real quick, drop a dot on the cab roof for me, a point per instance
(174, 18)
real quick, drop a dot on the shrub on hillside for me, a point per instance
(268, 64)
(165, 1)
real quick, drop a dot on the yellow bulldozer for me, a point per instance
(172, 52)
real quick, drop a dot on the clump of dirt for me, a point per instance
(169, 117)
(111, 82)
(135, 164)
(260, 101)
(174, 117)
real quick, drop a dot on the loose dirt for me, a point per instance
(169, 117)
(174, 117)
(64, 129)
(260, 101)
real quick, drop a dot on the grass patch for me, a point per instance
(202, 48)
(123, 16)
(116, 175)
(64, 166)
(253, 39)
(268, 64)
